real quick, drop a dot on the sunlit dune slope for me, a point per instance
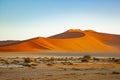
(73, 40)
(109, 39)
(36, 44)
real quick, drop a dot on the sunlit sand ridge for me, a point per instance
(73, 40)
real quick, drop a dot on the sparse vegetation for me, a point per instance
(66, 67)
(49, 64)
(50, 61)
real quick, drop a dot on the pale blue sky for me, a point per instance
(24, 19)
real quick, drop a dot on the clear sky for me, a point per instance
(24, 19)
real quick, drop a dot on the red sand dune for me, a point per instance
(73, 40)
(109, 39)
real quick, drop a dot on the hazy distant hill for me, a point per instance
(9, 42)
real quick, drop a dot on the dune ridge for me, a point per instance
(73, 40)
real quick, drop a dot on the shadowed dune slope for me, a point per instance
(71, 40)
(9, 42)
(71, 33)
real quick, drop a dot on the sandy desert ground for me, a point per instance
(61, 72)
(59, 68)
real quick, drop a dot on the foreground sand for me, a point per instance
(81, 71)
(29, 66)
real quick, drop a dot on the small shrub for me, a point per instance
(87, 57)
(27, 60)
(49, 64)
(67, 63)
(114, 72)
(76, 69)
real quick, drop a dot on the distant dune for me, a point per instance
(8, 42)
(73, 40)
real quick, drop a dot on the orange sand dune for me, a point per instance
(71, 40)
(109, 39)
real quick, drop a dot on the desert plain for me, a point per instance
(49, 66)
